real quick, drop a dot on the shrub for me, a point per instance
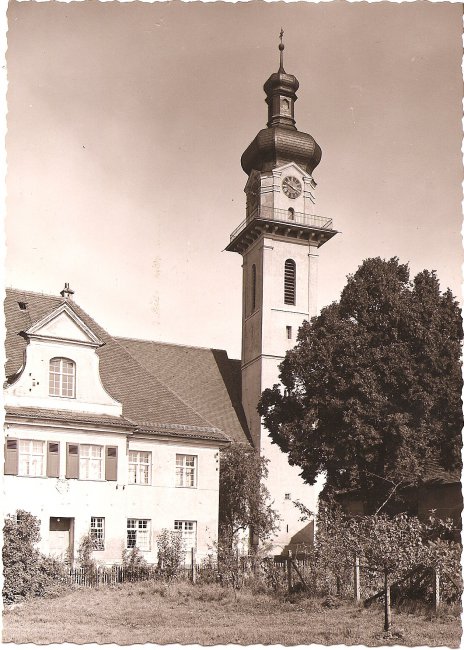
(134, 563)
(26, 571)
(84, 555)
(171, 553)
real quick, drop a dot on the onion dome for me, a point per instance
(281, 142)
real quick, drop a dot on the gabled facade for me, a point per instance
(97, 440)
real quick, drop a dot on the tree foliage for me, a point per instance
(26, 572)
(243, 496)
(171, 553)
(372, 390)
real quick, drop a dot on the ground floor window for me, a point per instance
(97, 533)
(188, 530)
(138, 534)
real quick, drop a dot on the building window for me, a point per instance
(289, 331)
(288, 496)
(290, 282)
(291, 214)
(31, 461)
(139, 467)
(188, 530)
(186, 470)
(253, 287)
(97, 533)
(62, 380)
(138, 534)
(91, 462)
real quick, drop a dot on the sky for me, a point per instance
(126, 123)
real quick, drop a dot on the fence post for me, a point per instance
(387, 625)
(194, 566)
(289, 574)
(436, 589)
(357, 590)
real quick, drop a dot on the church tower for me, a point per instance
(279, 241)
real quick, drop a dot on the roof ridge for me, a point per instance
(36, 293)
(175, 345)
(173, 392)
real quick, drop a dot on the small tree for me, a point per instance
(243, 497)
(84, 554)
(171, 553)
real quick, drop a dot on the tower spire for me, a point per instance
(281, 48)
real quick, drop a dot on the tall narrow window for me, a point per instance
(253, 287)
(62, 379)
(97, 533)
(290, 282)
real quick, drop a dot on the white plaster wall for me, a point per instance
(116, 501)
(32, 387)
(283, 478)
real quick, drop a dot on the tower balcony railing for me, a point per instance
(285, 216)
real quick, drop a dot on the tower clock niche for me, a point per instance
(279, 240)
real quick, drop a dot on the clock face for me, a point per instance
(291, 187)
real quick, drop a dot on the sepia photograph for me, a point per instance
(233, 331)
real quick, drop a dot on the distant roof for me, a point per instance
(207, 408)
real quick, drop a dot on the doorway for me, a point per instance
(61, 537)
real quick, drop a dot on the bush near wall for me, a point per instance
(26, 572)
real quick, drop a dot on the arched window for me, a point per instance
(291, 214)
(253, 287)
(62, 377)
(290, 282)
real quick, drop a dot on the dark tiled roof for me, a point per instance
(159, 394)
(62, 415)
(204, 378)
(436, 475)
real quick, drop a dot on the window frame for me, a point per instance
(88, 466)
(183, 470)
(57, 389)
(32, 455)
(290, 282)
(187, 534)
(135, 526)
(139, 465)
(97, 533)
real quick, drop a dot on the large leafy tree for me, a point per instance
(244, 502)
(372, 391)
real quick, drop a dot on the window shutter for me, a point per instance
(11, 456)
(53, 459)
(111, 464)
(72, 460)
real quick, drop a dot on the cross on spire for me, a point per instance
(281, 48)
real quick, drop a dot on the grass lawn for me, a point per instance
(209, 615)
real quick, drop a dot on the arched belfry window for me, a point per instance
(62, 377)
(290, 282)
(253, 287)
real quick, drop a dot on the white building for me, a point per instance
(122, 437)
(116, 437)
